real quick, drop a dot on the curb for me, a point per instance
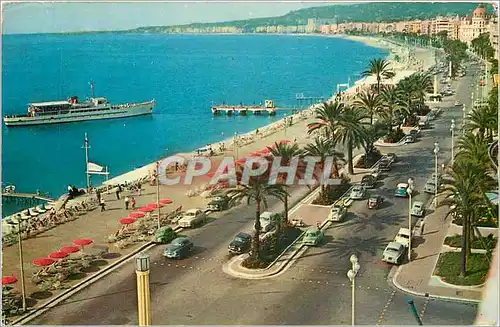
(393, 281)
(81, 285)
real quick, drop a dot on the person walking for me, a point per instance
(118, 190)
(103, 205)
(132, 203)
(98, 195)
(127, 201)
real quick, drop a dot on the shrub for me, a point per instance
(411, 120)
(332, 193)
(372, 156)
(395, 136)
(486, 243)
(422, 110)
(449, 268)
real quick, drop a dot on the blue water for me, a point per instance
(183, 73)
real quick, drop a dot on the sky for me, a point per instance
(54, 17)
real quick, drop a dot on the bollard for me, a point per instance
(414, 312)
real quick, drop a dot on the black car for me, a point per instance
(368, 181)
(374, 202)
(384, 165)
(240, 244)
(179, 248)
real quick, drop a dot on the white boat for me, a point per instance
(70, 110)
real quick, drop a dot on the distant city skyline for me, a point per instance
(60, 17)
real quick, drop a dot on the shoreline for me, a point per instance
(265, 130)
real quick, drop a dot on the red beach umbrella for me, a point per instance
(155, 205)
(255, 154)
(69, 249)
(264, 151)
(6, 280)
(284, 141)
(58, 255)
(146, 209)
(127, 221)
(43, 262)
(166, 201)
(82, 241)
(136, 214)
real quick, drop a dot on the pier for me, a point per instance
(30, 196)
(269, 108)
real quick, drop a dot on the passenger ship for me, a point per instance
(73, 111)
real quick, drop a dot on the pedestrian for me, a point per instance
(98, 195)
(103, 205)
(295, 139)
(139, 189)
(132, 203)
(127, 200)
(118, 190)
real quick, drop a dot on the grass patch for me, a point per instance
(485, 243)
(373, 157)
(449, 268)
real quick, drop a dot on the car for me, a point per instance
(164, 235)
(192, 218)
(179, 248)
(374, 202)
(409, 139)
(240, 244)
(414, 132)
(268, 221)
(368, 181)
(418, 209)
(384, 164)
(313, 237)
(357, 192)
(219, 203)
(457, 103)
(403, 237)
(394, 253)
(430, 187)
(401, 190)
(392, 157)
(337, 213)
(433, 177)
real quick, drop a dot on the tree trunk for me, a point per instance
(469, 238)
(336, 168)
(371, 117)
(350, 164)
(390, 121)
(464, 247)
(285, 202)
(256, 238)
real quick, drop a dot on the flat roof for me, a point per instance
(50, 103)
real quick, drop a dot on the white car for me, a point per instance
(358, 192)
(418, 209)
(430, 187)
(403, 237)
(337, 213)
(393, 253)
(457, 103)
(191, 218)
(268, 220)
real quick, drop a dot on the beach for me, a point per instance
(98, 225)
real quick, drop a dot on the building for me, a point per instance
(493, 29)
(473, 26)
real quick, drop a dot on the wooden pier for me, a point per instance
(32, 196)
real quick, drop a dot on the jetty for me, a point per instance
(269, 108)
(27, 196)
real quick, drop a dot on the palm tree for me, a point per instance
(474, 149)
(370, 102)
(286, 152)
(390, 103)
(380, 68)
(327, 116)
(323, 148)
(483, 120)
(258, 190)
(406, 94)
(371, 134)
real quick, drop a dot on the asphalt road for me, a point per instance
(315, 290)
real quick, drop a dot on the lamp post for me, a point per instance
(351, 274)
(236, 144)
(158, 191)
(410, 191)
(285, 122)
(143, 295)
(452, 130)
(21, 257)
(436, 151)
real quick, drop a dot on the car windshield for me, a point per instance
(392, 250)
(416, 206)
(178, 241)
(430, 183)
(335, 209)
(190, 214)
(357, 189)
(240, 238)
(403, 236)
(373, 200)
(311, 234)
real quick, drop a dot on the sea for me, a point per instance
(185, 74)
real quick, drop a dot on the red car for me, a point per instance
(375, 202)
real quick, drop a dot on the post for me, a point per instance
(351, 274)
(86, 146)
(414, 311)
(236, 144)
(143, 294)
(452, 129)
(436, 151)
(353, 304)
(158, 191)
(410, 191)
(21, 264)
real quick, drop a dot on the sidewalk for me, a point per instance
(415, 277)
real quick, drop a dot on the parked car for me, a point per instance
(409, 139)
(192, 218)
(313, 237)
(392, 157)
(164, 235)
(384, 164)
(418, 209)
(179, 248)
(433, 177)
(430, 187)
(219, 203)
(375, 202)
(337, 213)
(415, 132)
(358, 192)
(401, 190)
(240, 244)
(268, 220)
(403, 236)
(457, 103)
(368, 181)
(393, 253)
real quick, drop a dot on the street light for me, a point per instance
(158, 191)
(452, 130)
(410, 191)
(285, 123)
(436, 151)
(21, 263)
(143, 294)
(236, 144)
(351, 274)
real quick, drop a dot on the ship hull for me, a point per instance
(137, 109)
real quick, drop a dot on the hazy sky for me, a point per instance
(85, 16)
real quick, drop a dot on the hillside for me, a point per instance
(369, 12)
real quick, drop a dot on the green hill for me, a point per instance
(369, 12)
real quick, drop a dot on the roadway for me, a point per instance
(315, 290)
